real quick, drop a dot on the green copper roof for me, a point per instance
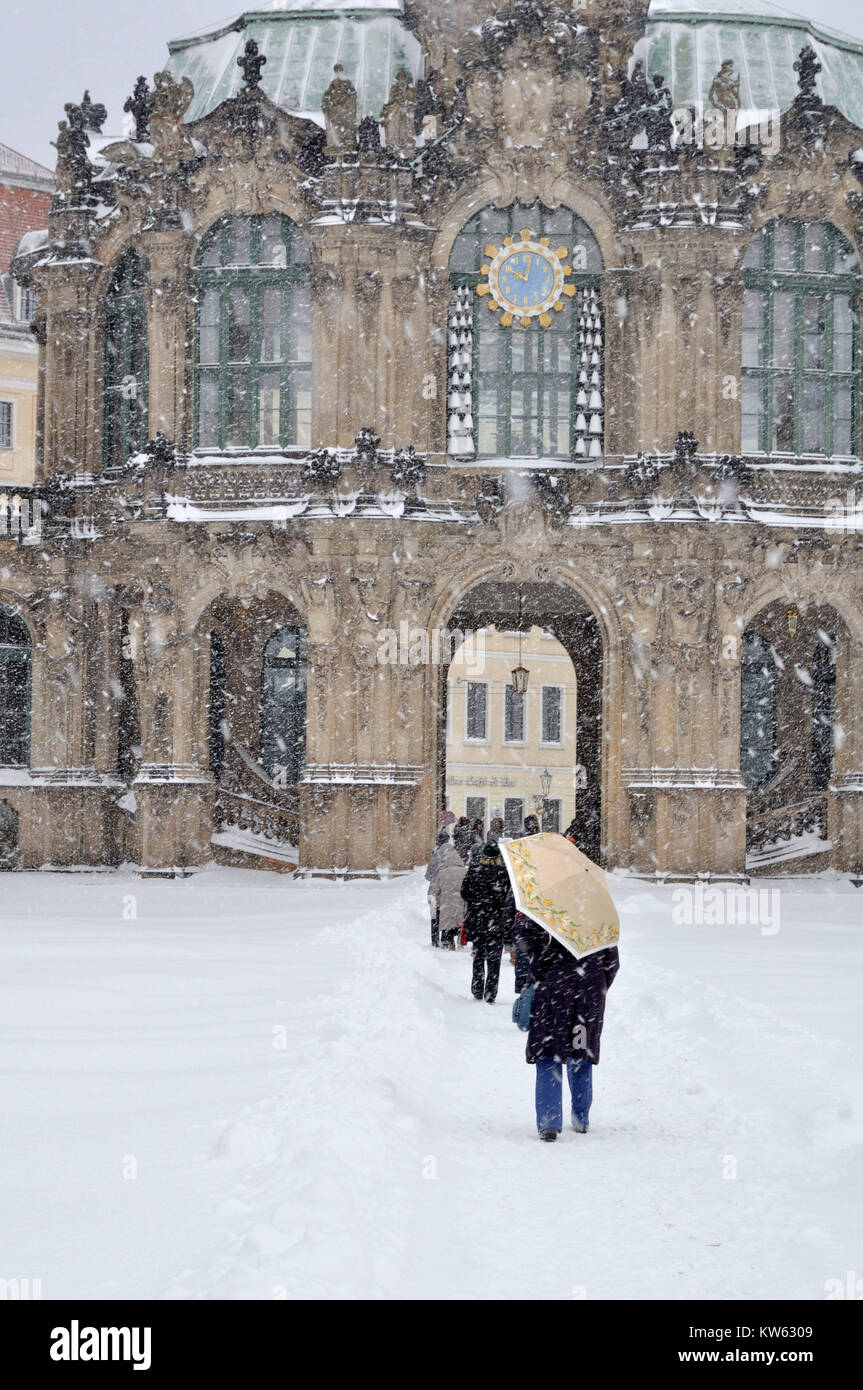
(302, 40)
(688, 42)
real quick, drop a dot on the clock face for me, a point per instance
(526, 279)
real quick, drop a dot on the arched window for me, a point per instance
(823, 671)
(801, 351)
(216, 707)
(15, 663)
(757, 710)
(254, 335)
(125, 386)
(283, 705)
(536, 391)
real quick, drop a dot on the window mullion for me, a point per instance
(224, 375)
(254, 367)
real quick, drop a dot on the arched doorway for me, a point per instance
(788, 730)
(556, 737)
(252, 667)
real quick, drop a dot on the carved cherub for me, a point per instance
(171, 101)
(725, 88)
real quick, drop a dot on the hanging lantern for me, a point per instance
(793, 616)
(520, 678)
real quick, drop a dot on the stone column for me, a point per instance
(74, 331)
(845, 795)
(170, 330)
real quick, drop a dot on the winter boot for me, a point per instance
(580, 1126)
(549, 1135)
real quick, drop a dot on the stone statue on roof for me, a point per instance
(725, 88)
(398, 116)
(339, 106)
(171, 101)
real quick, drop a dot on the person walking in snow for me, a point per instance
(565, 1023)
(490, 907)
(477, 840)
(446, 887)
(443, 843)
(461, 837)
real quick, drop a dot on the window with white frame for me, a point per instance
(476, 721)
(513, 715)
(26, 304)
(5, 424)
(475, 808)
(552, 714)
(513, 815)
(551, 816)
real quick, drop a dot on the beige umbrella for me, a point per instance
(563, 891)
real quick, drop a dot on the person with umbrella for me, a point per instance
(568, 924)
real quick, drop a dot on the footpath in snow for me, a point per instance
(256, 1088)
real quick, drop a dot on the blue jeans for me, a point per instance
(549, 1091)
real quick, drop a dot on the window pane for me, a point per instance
(299, 252)
(783, 416)
(238, 410)
(524, 349)
(476, 710)
(492, 351)
(843, 334)
(211, 254)
(301, 324)
(752, 415)
(513, 715)
(813, 417)
(513, 815)
(208, 410)
(556, 351)
(813, 333)
(5, 424)
(238, 325)
(491, 436)
(753, 328)
(785, 245)
(208, 336)
(783, 330)
(843, 434)
(551, 701)
(555, 419)
(302, 408)
(523, 417)
(274, 252)
(271, 324)
(815, 246)
(269, 408)
(239, 241)
(845, 260)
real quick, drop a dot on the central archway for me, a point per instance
(512, 607)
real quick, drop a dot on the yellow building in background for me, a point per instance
(25, 198)
(499, 744)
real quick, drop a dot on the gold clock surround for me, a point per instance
(497, 298)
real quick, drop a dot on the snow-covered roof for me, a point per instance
(302, 41)
(19, 166)
(688, 40)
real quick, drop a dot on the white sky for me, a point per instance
(51, 51)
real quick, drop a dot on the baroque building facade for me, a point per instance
(419, 317)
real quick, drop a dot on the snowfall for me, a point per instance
(243, 1086)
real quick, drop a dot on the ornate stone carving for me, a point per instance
(171, 100)
(339, 105)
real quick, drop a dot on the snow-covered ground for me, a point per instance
(260, 1088)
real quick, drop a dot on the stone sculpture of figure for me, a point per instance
(139, 106)
(398, 115)
(725, 88)
(73, 167)
(171, 101)
(339, 105)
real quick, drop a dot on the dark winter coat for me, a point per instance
(490, 906)
(569, 1004)
(462, 839)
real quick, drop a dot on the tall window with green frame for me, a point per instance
(126, 383)
(517, 392)
(254, 335)
(801, 342)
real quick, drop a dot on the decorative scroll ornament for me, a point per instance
(526, 279)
